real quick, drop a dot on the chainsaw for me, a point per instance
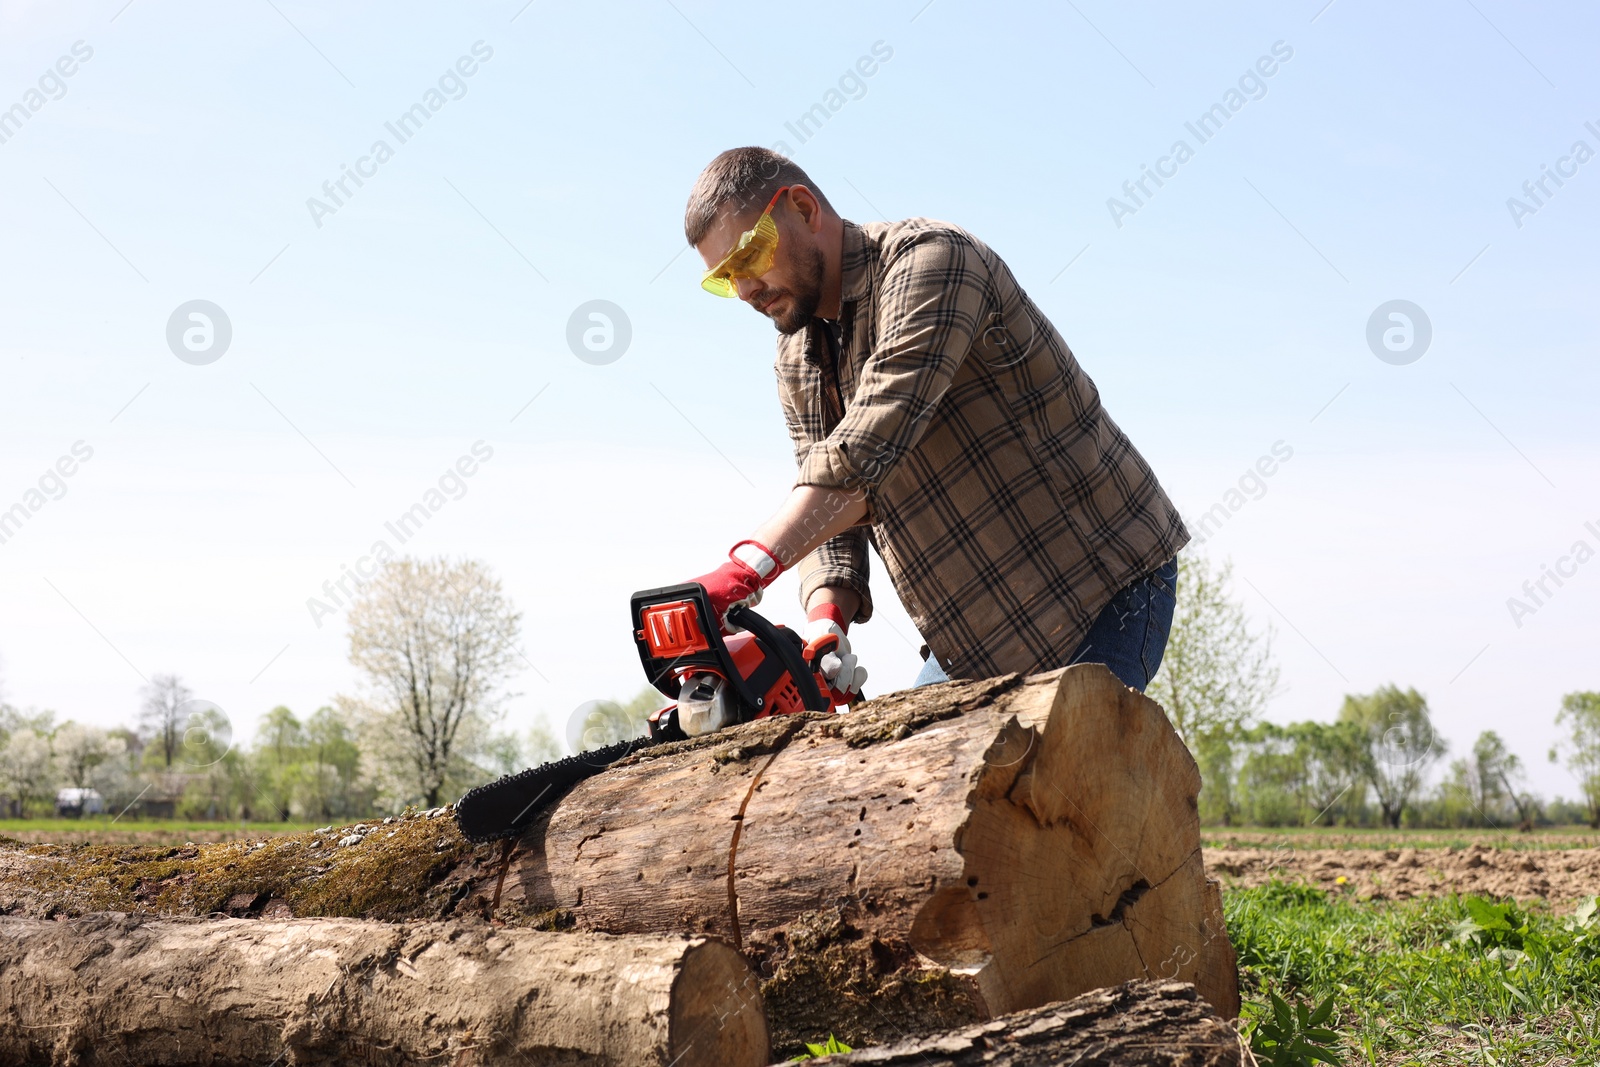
(714, 681)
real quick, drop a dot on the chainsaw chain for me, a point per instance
(506, 806)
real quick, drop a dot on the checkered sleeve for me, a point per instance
(931, 298)
(839, 562)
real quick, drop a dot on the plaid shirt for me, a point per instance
(1006, 504)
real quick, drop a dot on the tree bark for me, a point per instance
(1140, 1024)
(117, 990)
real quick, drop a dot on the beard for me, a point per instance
(805, 296)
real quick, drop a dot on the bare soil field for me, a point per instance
(1550, 837)
(1556, 875)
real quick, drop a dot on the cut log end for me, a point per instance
(717, 1015)
(1081, 857)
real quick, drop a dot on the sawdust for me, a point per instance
(1556, 875)
(822, 974)
(731, 744)
(898, 715)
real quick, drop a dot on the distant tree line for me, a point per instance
(1374, 765)
(434, 641)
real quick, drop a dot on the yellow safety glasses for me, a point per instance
(750, 258)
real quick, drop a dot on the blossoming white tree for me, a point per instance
(436, 641)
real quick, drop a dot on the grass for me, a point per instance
(108, 829)
(1443, 981)
(128, 822)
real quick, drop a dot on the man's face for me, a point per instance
(790, 293)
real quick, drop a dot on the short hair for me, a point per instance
(746, 176)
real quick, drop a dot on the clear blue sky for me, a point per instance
(373, 345)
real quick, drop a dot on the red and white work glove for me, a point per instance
(751, 567)
(825, 634)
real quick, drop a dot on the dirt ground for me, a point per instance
(1546, 837)
(1553, 874)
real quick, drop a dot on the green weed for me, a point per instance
(1295, 1035)
(828, 1047)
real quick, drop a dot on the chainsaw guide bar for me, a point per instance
(504, 808)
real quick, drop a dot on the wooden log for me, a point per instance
(964, 850)
(1139, 1024)
(934, 857)
(110, 989)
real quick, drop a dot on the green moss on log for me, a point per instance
(396, 870)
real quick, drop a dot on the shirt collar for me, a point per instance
(855, 279)
(855, 282)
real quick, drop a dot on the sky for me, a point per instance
(1236, 306)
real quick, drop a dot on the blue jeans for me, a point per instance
(1128, 636)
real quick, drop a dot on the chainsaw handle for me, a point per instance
(793, 660)
(815, 651)
(818, 647)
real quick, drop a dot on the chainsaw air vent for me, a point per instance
(673, 630)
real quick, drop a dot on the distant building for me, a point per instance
(158, 808)
(165, 794)
(74, 803)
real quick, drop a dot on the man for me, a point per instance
(937, 414)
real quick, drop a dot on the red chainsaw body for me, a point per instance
(676, 643)
(783, 698)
